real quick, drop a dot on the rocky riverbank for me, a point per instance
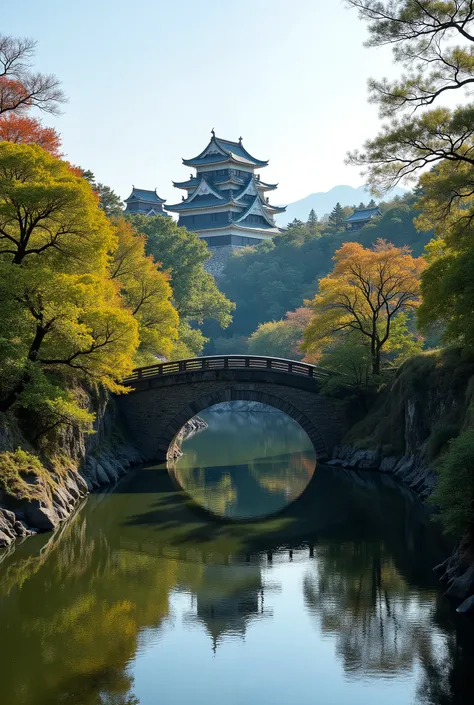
(190, 428)
(41, 491)
(457, 571)
(407, 430)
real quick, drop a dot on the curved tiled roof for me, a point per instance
(362, 214)
(234, 151)
(140, 194)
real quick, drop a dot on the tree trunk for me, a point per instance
(376, 363)
(10, 399)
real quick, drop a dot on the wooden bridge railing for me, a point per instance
(224, 362)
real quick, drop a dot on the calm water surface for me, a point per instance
(145, 598)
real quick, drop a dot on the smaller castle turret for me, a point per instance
(143, 202)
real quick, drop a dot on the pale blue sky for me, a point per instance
(148, 80)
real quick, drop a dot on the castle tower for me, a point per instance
(226, 202)
(143, 202)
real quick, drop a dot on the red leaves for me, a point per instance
(22, 129)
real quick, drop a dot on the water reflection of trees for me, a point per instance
(369, 594)
(258, 487)
(78, 644)
(100, 598)
(358, 595)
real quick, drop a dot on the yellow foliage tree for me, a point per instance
(61, 309)
(146, 291)
(365, 291)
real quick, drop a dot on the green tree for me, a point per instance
(350, 356)
(433, 43)
(447, 206)
(281, 338)
(61, 311)
(312, 221)
(195, 294)
(110, 203)
(336, 217)
(146, 292)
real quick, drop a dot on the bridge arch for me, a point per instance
(165, 396)
(242, 394)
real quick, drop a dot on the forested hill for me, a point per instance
(324, 201)
(277, 276)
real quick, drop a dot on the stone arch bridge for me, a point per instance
(165, 396)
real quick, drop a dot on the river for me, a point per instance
(262, 581)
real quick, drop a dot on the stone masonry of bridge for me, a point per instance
(156, 409)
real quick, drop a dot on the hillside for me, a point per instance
(324, 201)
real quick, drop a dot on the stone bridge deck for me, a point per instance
(164, 396)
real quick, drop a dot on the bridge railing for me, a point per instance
(224, 362)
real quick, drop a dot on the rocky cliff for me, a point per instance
(40, 489)
(407, 430)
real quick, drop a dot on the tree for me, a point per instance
(295, 223)
(448, 296)
(20, 88)
(433, 42)
(365, 291)
(61, 311)
(349, 355)
(23, 129)
(276, 276)
(46, 208)
(281, 338)
(312, 221)
(146, 292)
(336, 216)
(183, 255)
(109, 201)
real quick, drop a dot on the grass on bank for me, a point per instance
(23, 476)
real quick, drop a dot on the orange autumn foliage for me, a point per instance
(365, 292)
(22, 129)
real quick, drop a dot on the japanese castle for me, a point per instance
(225, 202)
(143, 202)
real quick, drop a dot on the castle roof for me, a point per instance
(140, 194)
(187, 184)
(362, 214)
(220, 150)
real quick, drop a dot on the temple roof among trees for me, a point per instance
(362, 214)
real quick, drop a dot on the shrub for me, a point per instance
(440, 435)
(454, 493)
(23, 476)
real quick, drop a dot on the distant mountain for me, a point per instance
(324, 202)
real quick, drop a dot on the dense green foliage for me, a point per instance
(433, 43)
(277, 276)
(109, 201)
(81, 302)
(281, 338)
(454, 493)
(195, 294)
